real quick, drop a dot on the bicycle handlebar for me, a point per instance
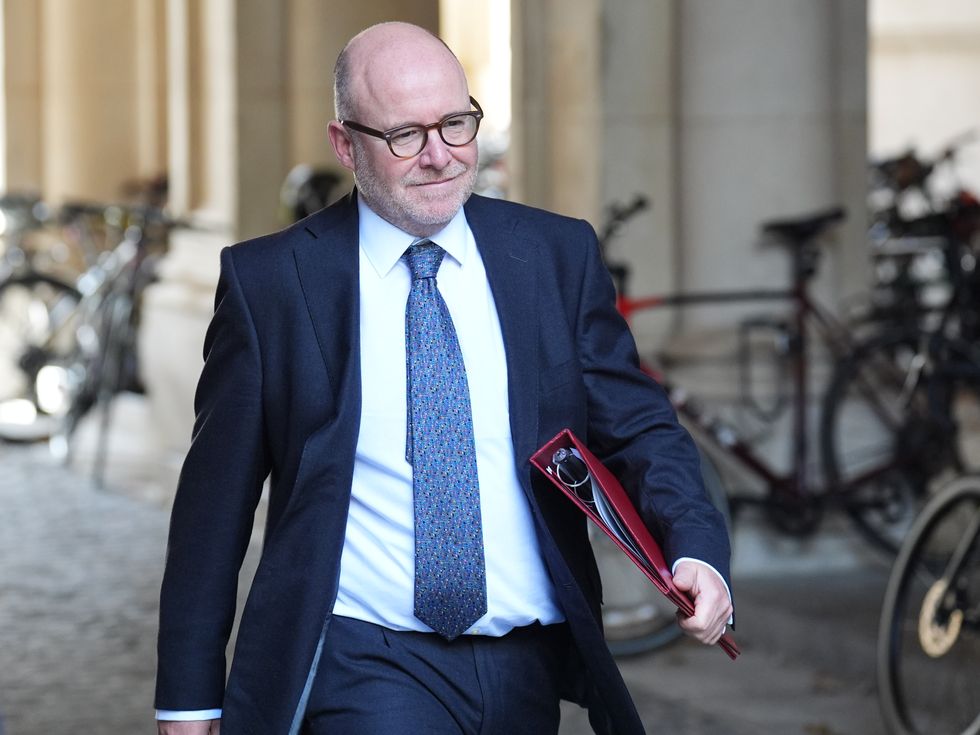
(618, 214)
(909, 170)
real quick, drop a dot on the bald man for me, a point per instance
(390, 363)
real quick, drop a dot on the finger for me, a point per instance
(704, 630)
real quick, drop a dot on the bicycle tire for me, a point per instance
(885, 448)
(636, 618)
(928, 665)
(33, 307)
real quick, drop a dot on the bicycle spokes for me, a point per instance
(929, 642)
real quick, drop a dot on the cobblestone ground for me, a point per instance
(80, 570)
(79, 578)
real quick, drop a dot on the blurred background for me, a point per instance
(721, 114)
(139, 137)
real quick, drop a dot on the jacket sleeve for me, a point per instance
(217, 493)
(634, 429)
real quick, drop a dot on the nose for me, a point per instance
(436, 153)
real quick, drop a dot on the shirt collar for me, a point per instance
(384, 244)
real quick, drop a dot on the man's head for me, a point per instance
(397, 74)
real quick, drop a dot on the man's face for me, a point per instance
(402, 85)
(419, 194)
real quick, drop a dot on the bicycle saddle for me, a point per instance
(799, 230)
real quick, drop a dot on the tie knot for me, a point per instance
(423, 259)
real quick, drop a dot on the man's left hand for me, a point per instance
(712, 607)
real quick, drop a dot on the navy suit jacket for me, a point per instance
(279, 397)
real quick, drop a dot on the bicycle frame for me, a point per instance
(795, 483)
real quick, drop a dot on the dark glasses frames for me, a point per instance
(407, 141)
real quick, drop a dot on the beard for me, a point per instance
(406, 203)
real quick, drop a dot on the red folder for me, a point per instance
(611, 510)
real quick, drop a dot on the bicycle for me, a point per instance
(924, 377)
(35, 299)
(924, 364)
(790, 499)
(928, 650)
(635, 620)
(874, 493)
(923, 241)
(88, 354)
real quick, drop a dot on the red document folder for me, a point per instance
(611, 510)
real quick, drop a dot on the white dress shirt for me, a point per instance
(377, 569)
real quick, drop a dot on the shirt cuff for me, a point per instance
(673, 569)
(196, 715)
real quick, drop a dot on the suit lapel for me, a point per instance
(509, 258)
(327, 265)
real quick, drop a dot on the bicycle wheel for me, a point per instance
(33, 312)
(635, 616)
(899, 418)
(929, 634)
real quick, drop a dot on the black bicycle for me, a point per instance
(929, 636)
(84, 352)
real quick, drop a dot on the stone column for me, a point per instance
(202, 141)
(22, 152)
(770, 125)
(85, 103)
(89, 143)
(638, 137)
(262, 119)
(555, 144)
(151, 87)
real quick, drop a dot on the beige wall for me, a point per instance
(924, 69)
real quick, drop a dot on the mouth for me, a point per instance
(445, 177)
(435, 182)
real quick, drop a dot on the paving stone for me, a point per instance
(79, 579)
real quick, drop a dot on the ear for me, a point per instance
(341, 143)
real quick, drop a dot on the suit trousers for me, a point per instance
(375, 681)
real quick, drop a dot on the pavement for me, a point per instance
(80, 568)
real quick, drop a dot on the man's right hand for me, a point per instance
(195, 727)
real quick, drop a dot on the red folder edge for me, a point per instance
(660, 576)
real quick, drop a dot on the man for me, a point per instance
(334, 358)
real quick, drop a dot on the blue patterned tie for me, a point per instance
(450, 576)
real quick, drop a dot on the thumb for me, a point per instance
(684, 577)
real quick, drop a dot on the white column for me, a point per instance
(770, 125)
(88, 82)
(555, 146)
(638, 137)
(151, 88)
(22, 95)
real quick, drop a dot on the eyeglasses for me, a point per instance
(573, 473)
(407, 141)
